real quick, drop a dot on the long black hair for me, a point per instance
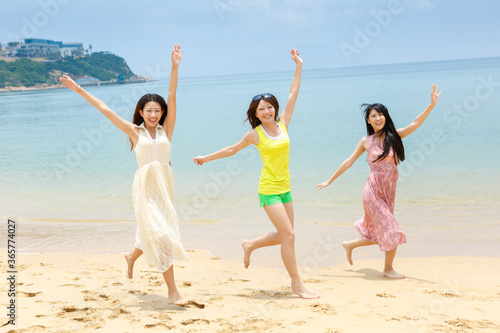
(252, 108)
(138, 119)
(392, 138)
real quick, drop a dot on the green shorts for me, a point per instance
(272, 199)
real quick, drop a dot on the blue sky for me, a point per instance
(245, 36)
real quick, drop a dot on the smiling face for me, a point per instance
(151, 113)
(376, 120)
(265, 112)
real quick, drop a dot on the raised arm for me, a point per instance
(287, 113)
(169, 124)
(403, 132)
(346, 164)
(250, 138)
(124, 125)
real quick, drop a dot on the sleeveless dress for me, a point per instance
(275, 174)
(378, 224)
(153, 192)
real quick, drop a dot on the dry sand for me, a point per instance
(90, 292)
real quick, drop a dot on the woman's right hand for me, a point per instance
(294, 53)
(322, 185)
(199, 160)
(69, 83)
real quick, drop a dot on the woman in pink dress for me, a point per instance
(385, 150)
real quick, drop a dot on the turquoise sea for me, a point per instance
(66, 173)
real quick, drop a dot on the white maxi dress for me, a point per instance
(153, 192)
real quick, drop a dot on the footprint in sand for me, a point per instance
(238, 280)
(121, 311)
(444, 294)
(103, 296)
(324, 309)
(216, 298)
(159, 324)
(402, 318)
(471, 324)
(269, 294)
(314, 281)
(288, 306)
(29, 294)
(196, 304)
(195, 321)
(385, 295)
(134, 291)
(155, 284)
(69, 309)
(32, 329)
(162, 316)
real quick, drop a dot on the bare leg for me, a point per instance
(269, 239)
(388, 269)
(173, 293)
(278, 215)
(351, 245)
(248, 246)
(131, 257)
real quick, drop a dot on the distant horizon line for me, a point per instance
(337, 68)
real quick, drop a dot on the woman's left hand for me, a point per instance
(434, 94)
(69, 83)
(294, 53)
(176, 55)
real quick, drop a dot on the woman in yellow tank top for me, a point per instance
(270, 136)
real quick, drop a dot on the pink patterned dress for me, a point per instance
(378, 224)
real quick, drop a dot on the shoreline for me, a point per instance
(317, 246)
(45, 86)
(91, 292)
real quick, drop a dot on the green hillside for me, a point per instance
(103, 66)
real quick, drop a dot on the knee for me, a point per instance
(288, 237)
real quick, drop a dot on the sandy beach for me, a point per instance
(43, 86)
(90, 292)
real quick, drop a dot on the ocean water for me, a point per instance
(66, 172)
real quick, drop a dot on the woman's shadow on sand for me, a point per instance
(375, 275)
(154, 302)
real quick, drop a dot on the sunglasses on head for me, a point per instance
(261, 96)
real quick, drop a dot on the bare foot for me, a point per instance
(245, 244)
(391, 273)
(177, 299)
(304, 292)
(130, 265)
(348, 251)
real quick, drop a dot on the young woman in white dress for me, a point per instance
(150, 134)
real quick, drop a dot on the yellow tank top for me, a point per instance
(275, 176)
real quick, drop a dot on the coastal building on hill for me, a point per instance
(43, 48)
